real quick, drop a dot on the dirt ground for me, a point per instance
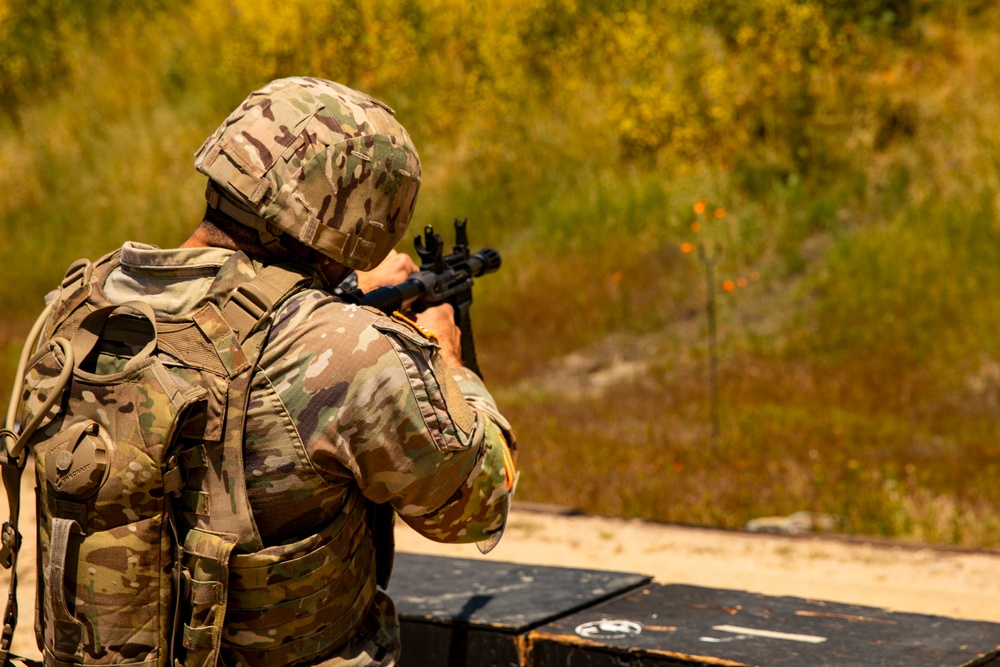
(947, 582)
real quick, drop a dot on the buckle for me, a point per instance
(11, 543)
(6, 638)
(77, 271)
(5, 434)
(252, 299)
(173, 477)
(7, 457)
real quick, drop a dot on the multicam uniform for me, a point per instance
(243, 535)
(346, 406)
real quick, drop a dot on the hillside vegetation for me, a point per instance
(838, 163)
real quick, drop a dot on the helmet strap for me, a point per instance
(269, 237)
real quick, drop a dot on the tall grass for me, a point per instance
(850, 151)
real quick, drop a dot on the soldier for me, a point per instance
(347, 409)
(343, 399)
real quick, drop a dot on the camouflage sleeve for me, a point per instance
(373, 403)
(478, 397)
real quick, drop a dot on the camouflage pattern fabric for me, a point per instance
(344, 403)
(257, 439)
(101, 463)
(323, 163)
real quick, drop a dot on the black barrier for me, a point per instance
(458, 612)
(474, 613)
(689, 625)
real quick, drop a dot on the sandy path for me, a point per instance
(933, 581)
(900, 577)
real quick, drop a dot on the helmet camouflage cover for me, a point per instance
(316, 160)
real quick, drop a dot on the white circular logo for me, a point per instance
(608, 628)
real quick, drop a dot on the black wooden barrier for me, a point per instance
(689, 625)
(458, 612)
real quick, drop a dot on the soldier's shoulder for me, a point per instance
(317, 315)
(315, 305)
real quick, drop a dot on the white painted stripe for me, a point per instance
(770, 634)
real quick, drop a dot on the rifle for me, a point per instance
(441, 279)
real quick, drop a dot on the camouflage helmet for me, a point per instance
(318, 161)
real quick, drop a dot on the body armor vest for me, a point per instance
(148, 551)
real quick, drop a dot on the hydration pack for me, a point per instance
(135, 425)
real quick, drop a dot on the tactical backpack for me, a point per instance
(135, 425)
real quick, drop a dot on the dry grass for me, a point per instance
(856, 161)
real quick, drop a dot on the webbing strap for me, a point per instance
(220, 203)
(10, 540)
(75, 286)
(53, 661)
(222, 503)
(11, 545)
(207, 561)
(91, 331)
(82, 280)
(196, 502)
(252, 302)
(225, 341)
(338, 631)
(67, 630)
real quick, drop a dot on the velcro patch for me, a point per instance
(362, 251)
(458, 407)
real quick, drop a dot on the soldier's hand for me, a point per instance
(394, 269)
(440, 320)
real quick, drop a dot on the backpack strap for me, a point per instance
(252, 302)
(82, 278)
(238, 333)
(226, 521)
(74, 288)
